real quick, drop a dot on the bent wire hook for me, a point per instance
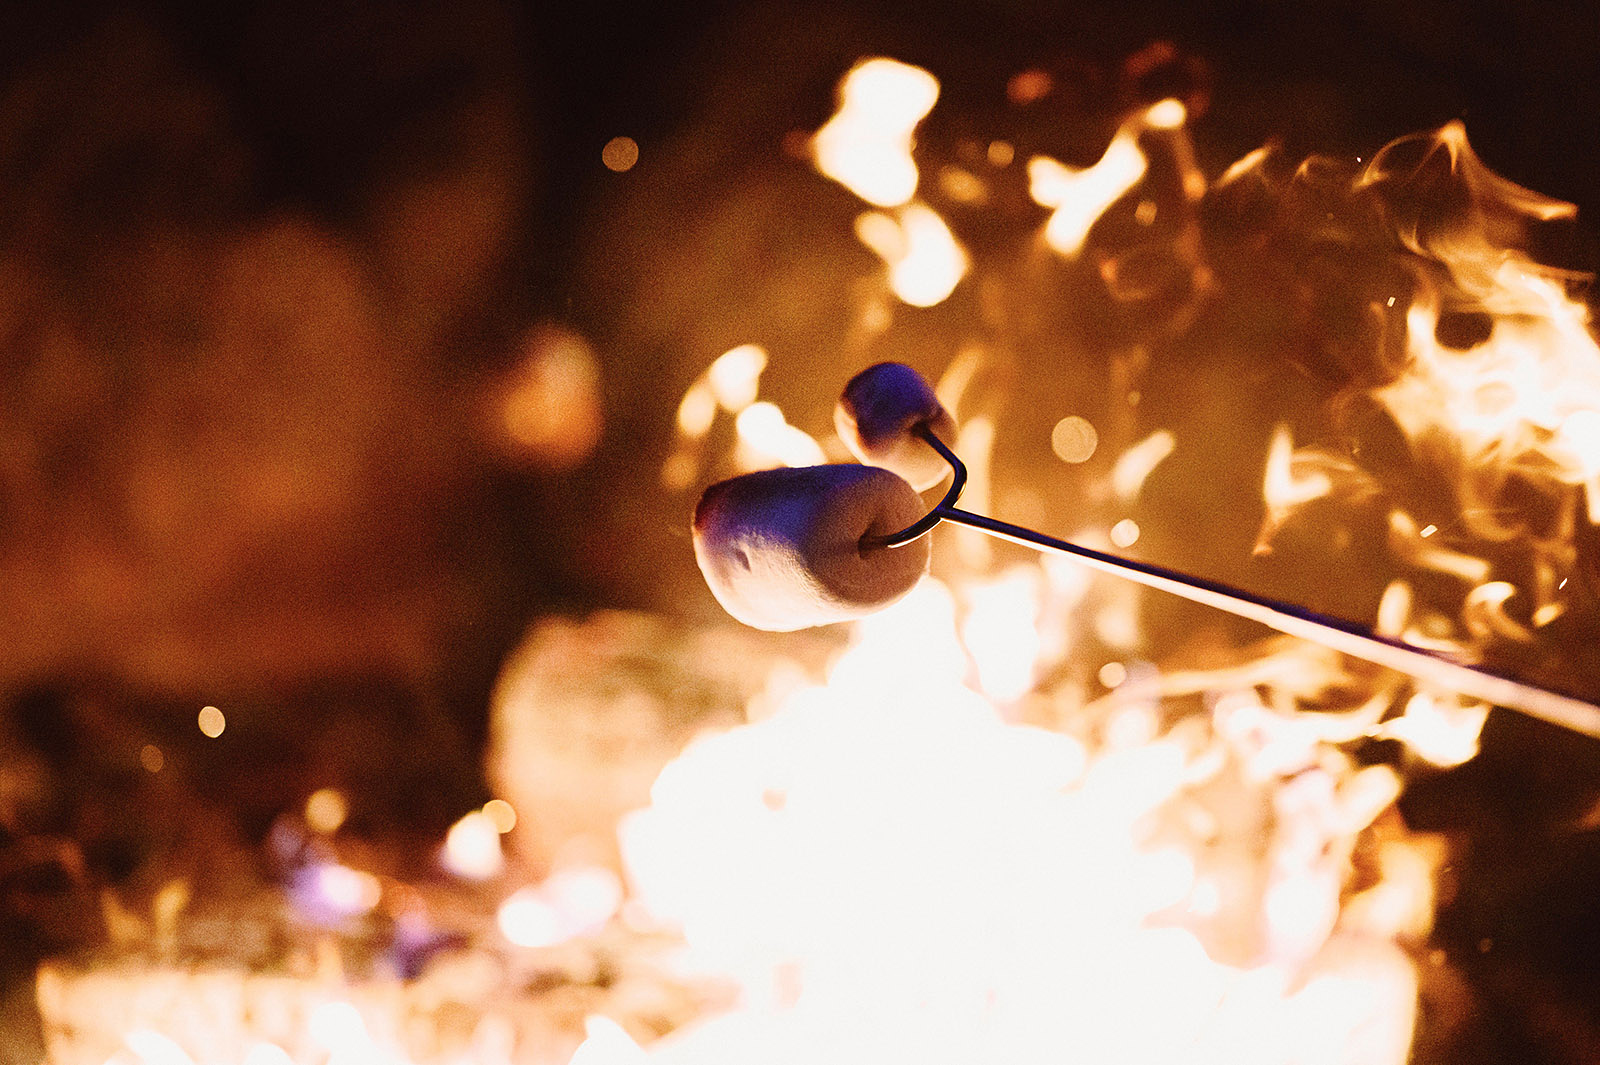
(1347, 637)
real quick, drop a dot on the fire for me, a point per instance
(764, 436)
(925, 261)
(866, 146)
(887, 866)
(900, 861)
(1079, 197)
(1511, 402)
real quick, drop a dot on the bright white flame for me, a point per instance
(767, 439)
(571, 902)
(339, 1028)
(586, 896)
(890, 872)
(866, 145)
(153, 1048)
(925, 261)
(267, 1054)
(528, 920)
(605, 1043)
(1438, 728)
(472, 848)
(1001, 634)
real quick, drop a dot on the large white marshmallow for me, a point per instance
(875, 417)
(782, 549)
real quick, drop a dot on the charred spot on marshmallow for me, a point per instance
(790, 548)
(876, 416)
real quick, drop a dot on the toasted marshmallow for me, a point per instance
(877, 413)
(783, 549)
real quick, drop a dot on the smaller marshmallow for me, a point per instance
(875, 417)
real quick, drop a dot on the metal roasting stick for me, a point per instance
(1347, 637)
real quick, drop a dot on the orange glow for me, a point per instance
(620, 154)
(549, 405)
(326, 810)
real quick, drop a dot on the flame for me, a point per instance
(734, 379)
(891, 871)
(766, 439)
(1080, 196)
(925, 261)
(1001, 633)
(606, 1043)
(1438, 728)
(866, 145)
(1135, 465)
(1526, 399)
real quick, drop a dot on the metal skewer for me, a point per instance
(1344, 636)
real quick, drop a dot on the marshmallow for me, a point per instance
(781, 549)
(877, 413)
